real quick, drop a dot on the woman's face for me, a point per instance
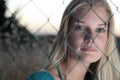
(88, 36)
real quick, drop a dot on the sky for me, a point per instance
(44, 16)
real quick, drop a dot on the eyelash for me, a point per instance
(100, 30)
(78, 27)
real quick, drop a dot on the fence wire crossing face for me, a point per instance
(23, 53)
(81, 30)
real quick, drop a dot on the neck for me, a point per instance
(75, 70)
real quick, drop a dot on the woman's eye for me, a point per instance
(100, 30)
(78, 27)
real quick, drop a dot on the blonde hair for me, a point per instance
(108, 66)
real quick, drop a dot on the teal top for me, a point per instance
(42, 75)
(45, 75)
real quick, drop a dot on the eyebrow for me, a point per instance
(101, 24)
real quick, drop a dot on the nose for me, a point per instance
(88, 37)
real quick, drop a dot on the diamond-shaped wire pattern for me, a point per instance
(26, 48)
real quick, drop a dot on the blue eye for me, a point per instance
(100, 30)
(78, 27)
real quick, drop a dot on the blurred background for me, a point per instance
(27, 32)
(40, 17)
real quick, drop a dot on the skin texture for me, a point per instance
(89, 35)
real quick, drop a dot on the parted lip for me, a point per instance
(88, 49)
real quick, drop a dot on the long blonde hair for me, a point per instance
(108, 66)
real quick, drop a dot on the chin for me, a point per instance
(91, 59)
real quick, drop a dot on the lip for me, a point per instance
(88, 49)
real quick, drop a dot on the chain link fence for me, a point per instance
(23, 51)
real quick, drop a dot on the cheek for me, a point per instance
(100, 41)
(75, 39)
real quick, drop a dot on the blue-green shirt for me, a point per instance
(42, 75)
(45, 75)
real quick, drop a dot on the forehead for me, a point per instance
(88, 11)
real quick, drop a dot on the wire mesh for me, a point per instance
(23, 52)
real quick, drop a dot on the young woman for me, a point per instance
(85, 47)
